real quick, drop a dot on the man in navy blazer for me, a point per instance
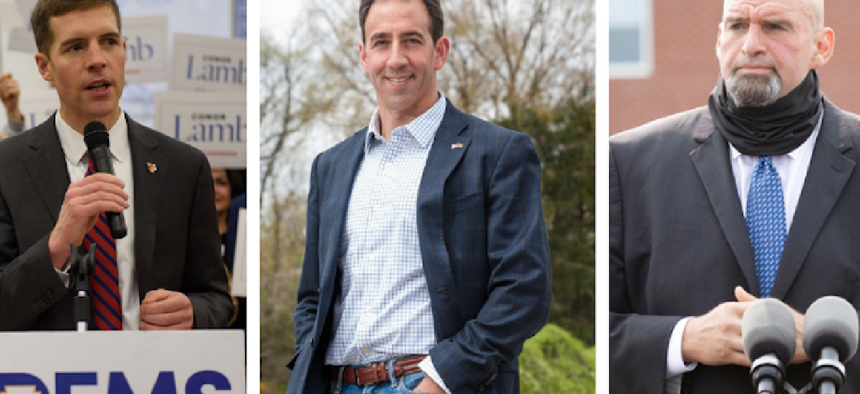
(426, 262)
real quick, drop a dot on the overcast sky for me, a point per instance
(277, 15)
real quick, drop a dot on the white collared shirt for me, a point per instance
(77, 162)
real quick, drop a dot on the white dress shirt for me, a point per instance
(792, 168)
(77, 162)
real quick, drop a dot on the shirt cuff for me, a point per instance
(64, 273)
(429, 370)
(674, 356)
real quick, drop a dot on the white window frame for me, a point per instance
(643, 68)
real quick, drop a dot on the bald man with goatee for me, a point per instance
(753, 195)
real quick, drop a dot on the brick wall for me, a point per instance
(686, 68)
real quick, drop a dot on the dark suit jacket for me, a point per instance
(679, 243)
(483, 245)
(176, 242)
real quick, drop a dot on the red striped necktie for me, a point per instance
(105, 278)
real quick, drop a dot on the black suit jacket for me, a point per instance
(176, 242)
(679, 243)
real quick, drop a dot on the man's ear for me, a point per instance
(443, 46)
(824, 42)
(362, 56)
(44, 65)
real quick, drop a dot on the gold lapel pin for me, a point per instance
(458, 145)
(152, 168)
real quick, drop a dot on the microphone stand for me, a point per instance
(81, 268)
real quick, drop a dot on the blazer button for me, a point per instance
(49, 294)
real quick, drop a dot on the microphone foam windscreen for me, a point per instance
(95, 134)
(830, 321)
(768, 327)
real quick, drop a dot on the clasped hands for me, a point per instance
(84, 201)
(715, 337)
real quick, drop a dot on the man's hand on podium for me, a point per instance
(166, 310)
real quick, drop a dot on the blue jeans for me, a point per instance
(401, 385)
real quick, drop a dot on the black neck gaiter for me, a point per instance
(776, 129)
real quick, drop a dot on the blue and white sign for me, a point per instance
(215, 123)
(214, 64)
(123, 362)
(146, 50)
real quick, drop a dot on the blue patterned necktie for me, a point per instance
(766, 222)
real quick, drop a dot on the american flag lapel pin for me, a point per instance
(458, 145)
(152, 168)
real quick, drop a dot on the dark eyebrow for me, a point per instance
(70, 42)
(113, 35)
(377, 36)
(75, 40)
(406, 34)
(412, 33)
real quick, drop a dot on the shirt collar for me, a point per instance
(794, 154)
(75, 148)
(423, 128)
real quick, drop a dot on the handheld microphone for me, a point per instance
(98, 144)
(769, 343)
(830, 339)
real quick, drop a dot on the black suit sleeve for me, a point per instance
(637, 343)
(204, 280)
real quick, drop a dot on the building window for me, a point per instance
(631, 40)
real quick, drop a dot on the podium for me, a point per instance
(122, 362)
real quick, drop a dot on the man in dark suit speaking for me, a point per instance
(166, 272)
(754, 195)
(426, 263)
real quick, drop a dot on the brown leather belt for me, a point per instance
(376, 372)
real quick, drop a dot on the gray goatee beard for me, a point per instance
(754, 90)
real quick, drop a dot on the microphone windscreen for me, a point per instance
(768, 327)
(95, 134)
(830, 321)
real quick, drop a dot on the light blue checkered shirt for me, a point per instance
(383, 310)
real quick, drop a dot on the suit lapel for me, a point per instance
(828, 173)
(449, 146)
(148, 186)
(46, 167)
(711, 160)
(335, 206)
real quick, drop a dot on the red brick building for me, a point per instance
(685, 67)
